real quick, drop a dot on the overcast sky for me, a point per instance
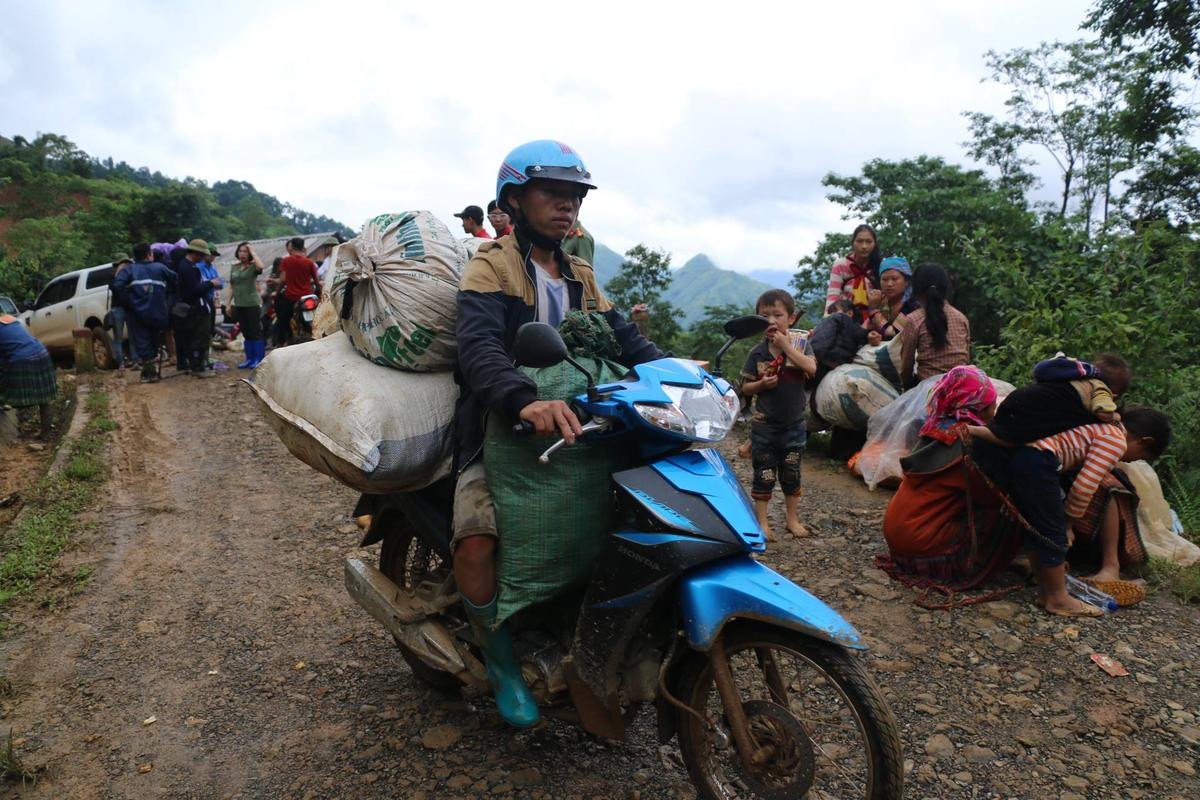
(707, 126)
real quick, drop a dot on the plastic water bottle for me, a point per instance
(1090, 594)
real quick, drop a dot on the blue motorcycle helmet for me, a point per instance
(542, 158)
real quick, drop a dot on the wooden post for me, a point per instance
(85, 359)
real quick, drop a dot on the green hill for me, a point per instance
(61, 209)
(696, 284)
(700, 283)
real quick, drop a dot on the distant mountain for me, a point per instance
(607, 263)
(700, 283)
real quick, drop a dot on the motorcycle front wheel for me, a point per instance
(820, 725)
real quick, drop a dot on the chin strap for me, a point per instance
(527, 236)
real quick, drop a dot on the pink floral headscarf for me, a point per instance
(957, 399)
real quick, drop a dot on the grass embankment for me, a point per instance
(34, 542)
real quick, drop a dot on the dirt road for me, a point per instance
(216, 654)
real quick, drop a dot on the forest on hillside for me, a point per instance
(62, 209)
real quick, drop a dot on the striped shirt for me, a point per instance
(1092, 449)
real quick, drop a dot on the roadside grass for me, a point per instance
(11, 768)
(1165, 575)
(32, 544)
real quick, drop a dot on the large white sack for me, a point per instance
(894, 429)
(883, 358)
(402, 274)
(851, 393)
(374, 429)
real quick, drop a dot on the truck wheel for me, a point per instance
(102, 348)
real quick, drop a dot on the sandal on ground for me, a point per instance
(1085, 610)
(1126, 593)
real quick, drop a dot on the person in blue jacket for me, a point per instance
(145, 288)
(27, 375)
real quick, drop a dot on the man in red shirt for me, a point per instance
(472, 222)
(299, 276)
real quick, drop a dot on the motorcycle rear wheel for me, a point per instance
(405, 559)
(830, 732)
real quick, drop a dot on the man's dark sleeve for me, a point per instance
(485, 365)
(635, 348)
(170, 278)
(190, 288)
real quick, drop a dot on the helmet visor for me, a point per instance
(568, 174)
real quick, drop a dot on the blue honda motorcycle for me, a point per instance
(753, 674)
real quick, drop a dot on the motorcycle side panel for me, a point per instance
(632, 571)
(706, 474)
(741, 588)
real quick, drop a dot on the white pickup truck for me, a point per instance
(78, 299)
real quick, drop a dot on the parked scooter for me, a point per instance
(753, 673)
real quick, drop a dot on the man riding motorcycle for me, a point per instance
(521, 278)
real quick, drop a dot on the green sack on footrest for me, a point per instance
(552, 518)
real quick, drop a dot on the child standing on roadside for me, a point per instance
(774, 374)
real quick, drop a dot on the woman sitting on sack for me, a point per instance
(889, 305)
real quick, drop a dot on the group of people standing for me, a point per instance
(169, 295)
(578, 241)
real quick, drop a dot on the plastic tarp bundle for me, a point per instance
(1154, 517)
(375, 430)
(892, 432)
(395, 289)
(552, 518)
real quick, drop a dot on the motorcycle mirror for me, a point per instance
(745, 327)
(538, 345)
(739, 328)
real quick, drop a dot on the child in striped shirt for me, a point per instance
(1093, 450)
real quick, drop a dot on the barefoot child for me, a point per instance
(1093, 450)
(774, 375)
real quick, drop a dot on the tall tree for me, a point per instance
(1169, 30)
(644, 277)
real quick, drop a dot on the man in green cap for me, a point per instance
(116, 311)
(196, 292)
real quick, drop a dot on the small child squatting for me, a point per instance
(775, 373)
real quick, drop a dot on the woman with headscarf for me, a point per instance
(855, 276)
(947, 525)
(892, 301)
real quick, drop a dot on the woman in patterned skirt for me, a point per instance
(26, 371)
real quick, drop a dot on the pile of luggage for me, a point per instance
(370, 402)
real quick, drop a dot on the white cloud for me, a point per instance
(708, 125)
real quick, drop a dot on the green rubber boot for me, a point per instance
(513, 698)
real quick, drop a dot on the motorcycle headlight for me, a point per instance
(701, 413)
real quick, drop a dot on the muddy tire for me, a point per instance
(830, 732)
(103, 348)
(404, 559)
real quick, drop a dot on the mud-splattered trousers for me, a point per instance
(775, 453)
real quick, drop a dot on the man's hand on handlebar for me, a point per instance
(550, 417)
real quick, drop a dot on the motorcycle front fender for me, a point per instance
(741, 588)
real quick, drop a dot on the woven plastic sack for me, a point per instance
(883, 358)
(850, 394)
(395, 289)
(552, 518)
(892, 432)
(374, 429)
